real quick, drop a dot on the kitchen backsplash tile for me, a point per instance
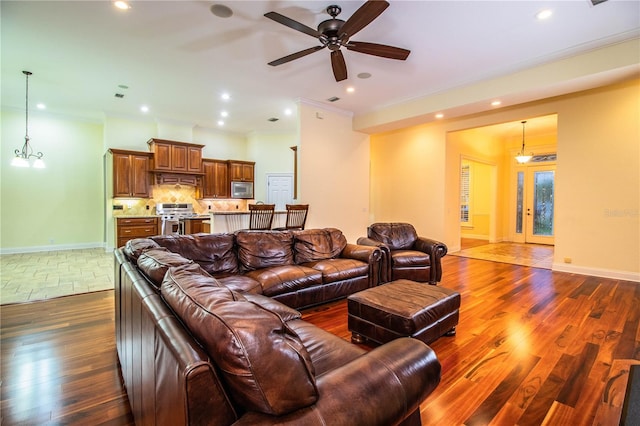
(175, 194)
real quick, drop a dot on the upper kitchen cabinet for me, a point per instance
(241, 170)
(176, 157)
(130, 173)
(216, 179)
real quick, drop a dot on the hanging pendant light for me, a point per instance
(522, 157)
(24, 155)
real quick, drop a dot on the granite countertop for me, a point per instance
(231, 212)
(133, 216)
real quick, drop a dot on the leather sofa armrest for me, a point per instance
(407, 369)
(368, 254)
(437, 250)
(385, 259)
(361, 252)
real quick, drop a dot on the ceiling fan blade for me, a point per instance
(381, 50)
(296, 55)
(363, 16)
(339, 66)
(292, 24)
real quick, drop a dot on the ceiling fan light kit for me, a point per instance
(335, 33)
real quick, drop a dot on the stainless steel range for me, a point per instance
(171, 213)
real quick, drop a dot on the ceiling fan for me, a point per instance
(335, 33)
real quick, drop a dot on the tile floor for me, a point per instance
(28, 277)
(534, 255)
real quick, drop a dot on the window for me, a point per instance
(465, 194)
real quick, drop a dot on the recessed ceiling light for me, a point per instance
(144, 108)
(439, 115)
(288, 111)
(364, 75)
(496, 103)
(220, 123)
(225, 96)
(224, 114)
(41, 106)
(544, 14)
(122, 5)
(221, 11)
(351, 89)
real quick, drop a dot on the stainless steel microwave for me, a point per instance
(241, 189)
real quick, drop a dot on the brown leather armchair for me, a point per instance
(405, 255)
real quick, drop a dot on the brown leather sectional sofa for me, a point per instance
(200, 350)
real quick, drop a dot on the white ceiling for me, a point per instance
(177, 58)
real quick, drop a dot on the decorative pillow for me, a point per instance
(134, 248)
(263, 361)
(214, 252)
(154, 263)
(312, 245)
(262, 249)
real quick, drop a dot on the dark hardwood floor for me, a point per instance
(533, 347)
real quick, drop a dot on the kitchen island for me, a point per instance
(231, 221)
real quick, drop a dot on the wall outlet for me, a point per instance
(118, 207)
(567, 260)
(147, 207)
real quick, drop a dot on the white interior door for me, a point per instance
(280, 189)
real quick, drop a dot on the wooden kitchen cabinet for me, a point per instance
(216, 179)
(241, 170)
(176, 157)
(194, 225)
(135, 227)
(130, 173)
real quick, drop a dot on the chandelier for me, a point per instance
(522, 157)
(24, 155)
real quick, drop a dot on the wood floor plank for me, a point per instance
(532, 347)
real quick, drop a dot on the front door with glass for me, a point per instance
(535, 205)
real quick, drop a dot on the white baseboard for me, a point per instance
(53, 247)
(476, 236)
(596, 272)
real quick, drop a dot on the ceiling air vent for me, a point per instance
(597, 2)
(273, 119)
(333, 99)
(120, 95)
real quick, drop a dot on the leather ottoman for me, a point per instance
(403, 308)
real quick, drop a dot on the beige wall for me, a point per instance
(59, 206)
(598, 182)
(334, 171)
(272, 154)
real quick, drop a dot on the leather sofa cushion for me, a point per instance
(398, 236)
(135, 247)
(284, 279)
(408, 258)
(318, 244)
(214, 252)
(263, 361)
(154, 263)
(283, 311)
(262, 249)
(241, 283)
(339, 269)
